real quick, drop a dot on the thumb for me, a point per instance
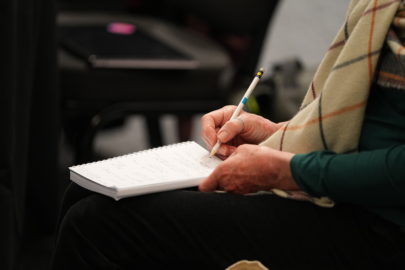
(230, 130)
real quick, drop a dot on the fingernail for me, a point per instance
(212, 139)
(223, 136)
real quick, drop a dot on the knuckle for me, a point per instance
(228, 107)
(205, 129)
(233, 125)
(243, 147)
(230, 188)
(205, 117)
(235, 188)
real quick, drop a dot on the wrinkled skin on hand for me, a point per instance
(247, 167)
(252, 168)
(247, 128)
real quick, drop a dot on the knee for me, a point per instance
(85, 235)
(88, 215)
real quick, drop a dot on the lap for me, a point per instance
(212, 231)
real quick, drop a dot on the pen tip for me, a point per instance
(213, 152)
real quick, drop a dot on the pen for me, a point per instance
(242, 102)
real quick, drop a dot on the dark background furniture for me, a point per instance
(226, 48)
(104, 95)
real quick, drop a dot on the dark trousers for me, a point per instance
(187, 229)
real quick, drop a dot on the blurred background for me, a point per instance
(83, 80)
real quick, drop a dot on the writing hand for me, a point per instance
(246, 128)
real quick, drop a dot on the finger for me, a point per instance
(209, 137)
(231, 129)
(208, 130)
(210, 122)
(218, 117)
(209, 184)
(225, 151)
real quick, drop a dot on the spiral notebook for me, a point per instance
(170, 167)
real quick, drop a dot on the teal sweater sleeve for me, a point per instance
(373, 178)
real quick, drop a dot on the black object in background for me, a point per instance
(105, 49)
(29, 105)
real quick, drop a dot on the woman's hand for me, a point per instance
(252, 168)
(246, 128)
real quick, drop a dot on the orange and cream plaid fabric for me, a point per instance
(332, 111)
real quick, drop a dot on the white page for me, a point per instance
(175, 162)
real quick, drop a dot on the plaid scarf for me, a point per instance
(332, 111)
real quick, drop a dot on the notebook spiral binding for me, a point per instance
(135, 153)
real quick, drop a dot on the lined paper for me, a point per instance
(176, 162)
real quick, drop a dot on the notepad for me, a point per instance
(170, 167)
